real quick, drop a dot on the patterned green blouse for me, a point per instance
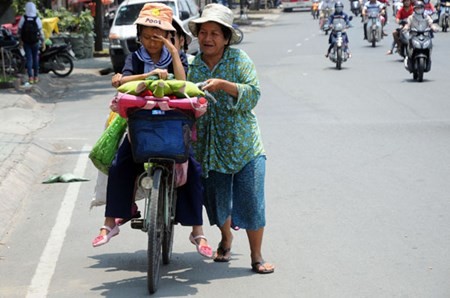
(228, 134)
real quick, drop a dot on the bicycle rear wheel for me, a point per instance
(155, 227)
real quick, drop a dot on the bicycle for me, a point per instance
(160, 139)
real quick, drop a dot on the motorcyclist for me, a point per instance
(414, 20)
(373, 6)
(338, 13)
(429, 7)
(419, 16)
(402, 14)
(323, 5)
(315, 8)
(441, 4)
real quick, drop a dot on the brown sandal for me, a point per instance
(220, 254)
(256, 268)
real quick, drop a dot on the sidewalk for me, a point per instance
(23, 112)
(26, 110)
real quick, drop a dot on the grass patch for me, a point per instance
(7, 81)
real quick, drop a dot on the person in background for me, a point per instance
(182, 38)
(229, 145)
(31, 47)
(372, 6)
(402, 14)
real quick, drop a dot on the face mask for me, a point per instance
(426, 1)
(419, 10)
(338, 9)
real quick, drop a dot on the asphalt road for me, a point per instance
(357, 192)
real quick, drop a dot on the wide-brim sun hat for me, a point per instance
(218, 13)
(180, 25)
(156, 15)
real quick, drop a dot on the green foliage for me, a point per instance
(19, 5)
(85, 22)
(66, 18)
(7, 79)
(69, 22)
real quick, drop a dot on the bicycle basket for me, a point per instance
(160, 134)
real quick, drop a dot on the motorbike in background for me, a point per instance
(419, 50)
(444, 16)
(355, 7)
(57, 59)
(315, 9)
(323, 22)
(396, 7)
(374, 29)
(338, 53)
(12, 62)
(402, 46)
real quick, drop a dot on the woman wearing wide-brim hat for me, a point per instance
(229, 144)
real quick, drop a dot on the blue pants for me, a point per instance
(32, 56)
(239, 196)
(121, 186)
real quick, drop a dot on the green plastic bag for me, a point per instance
(104, 150)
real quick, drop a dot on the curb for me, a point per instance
(16, 185)
(21, 159)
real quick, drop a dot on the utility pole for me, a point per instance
(98, 26)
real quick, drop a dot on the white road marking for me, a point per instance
(47, 263)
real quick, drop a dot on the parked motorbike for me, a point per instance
(57, 59)
(374, 28)
(355, 7)
(12, 61)
(420, 46)
(444, 17)
(338, 53)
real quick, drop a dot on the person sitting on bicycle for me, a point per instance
(158, 56)
(338, 13)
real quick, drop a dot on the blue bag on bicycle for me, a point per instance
(160, 134)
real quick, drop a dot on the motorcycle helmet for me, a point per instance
(339, 7)
(419, 8)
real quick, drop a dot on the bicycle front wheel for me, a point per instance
(171, 201)
(155, 227)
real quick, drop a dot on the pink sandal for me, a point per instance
(103, 239)
(204, 250)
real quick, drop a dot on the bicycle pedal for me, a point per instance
(137, 223)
